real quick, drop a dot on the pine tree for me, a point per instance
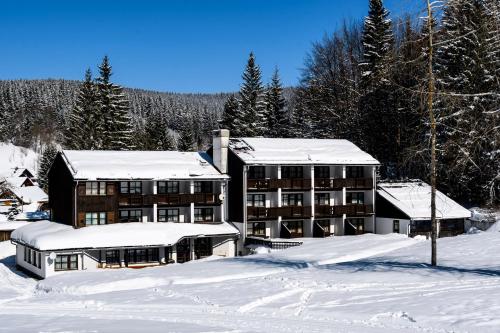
(157, 136)
(85, 123)
(186, 141)
(113, 106)
(44, 163)
(276, 114)
(378, 43)
(231, 116)
(252, 101)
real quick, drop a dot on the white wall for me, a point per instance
(223, 246)
(385, 225)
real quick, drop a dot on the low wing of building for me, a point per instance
(404, 207)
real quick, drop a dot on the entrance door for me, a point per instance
(203, 247)
(354, 227)
(183, 251)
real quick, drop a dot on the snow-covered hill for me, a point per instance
(12, 156)
(369, 283)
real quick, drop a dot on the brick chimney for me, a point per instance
(220, 146)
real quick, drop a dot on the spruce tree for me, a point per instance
(276, 114)
(252, 101)
(44, 163)
(231, 116)
(157, 136)
(84, 130)
(186, 141)
(113, 106)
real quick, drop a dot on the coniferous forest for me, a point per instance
(365, 82)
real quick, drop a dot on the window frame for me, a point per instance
(100, 217)
(203, 187)
(68, 264)
(319, 171)
(355, 195)
(252, 200)
(292, 172)
(394, 228)
(317, 199)
(168, 187)
(131, 187)
(286, 202)
(128, 220)
(167, 216)
(203, 214)
(112, 257)
(258, 226)
(95, 188)
(296, 226)
(354, 171)
(257, 172)
(142, 256)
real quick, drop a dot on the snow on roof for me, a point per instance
(14, 157)
(46, 235)
(29, 194)
(102, 164)
(12, 225)
(299, 151)
(16, 181)
(414, 199)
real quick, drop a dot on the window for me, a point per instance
(203, 214)
(355, 197)
(256, 172)
(112, 257)
(395, 226)
(95, 188)
(66, 262)
(95, 218)
(131, 215)
(131, 187)
(33, 257)
(203, 247)
(256, 200)
(168, 187)
(203, 187)
(322, 199)
(136, 256)
(324, 224)
(257, 229)
(291, 172)
(354, 226)
(354, 172)
(168, 215)
(321, 172)
(291, 199)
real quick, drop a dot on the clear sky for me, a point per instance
(181, 46)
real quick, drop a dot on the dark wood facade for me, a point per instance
(61, 192)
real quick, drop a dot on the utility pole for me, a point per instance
(430, 96)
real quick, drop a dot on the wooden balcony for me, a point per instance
(339, 183)
(182, 199)
(274, 184)
(256, 213)
(337, 211)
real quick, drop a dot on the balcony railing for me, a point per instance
(349, 210)
(255, 213)
(305, 184)
(168, 199)
(339, 183)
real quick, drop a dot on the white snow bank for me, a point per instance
(414, 199)
(12, 156)
(299, 151)
(12, 225)
(46, 235)
(101, 164)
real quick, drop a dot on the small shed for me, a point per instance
(405, 207)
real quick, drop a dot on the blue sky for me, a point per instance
(181, 46)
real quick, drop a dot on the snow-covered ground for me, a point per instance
(369, 283)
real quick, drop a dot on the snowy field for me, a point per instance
(369, 283)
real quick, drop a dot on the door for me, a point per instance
(183, 251)
(203, 247)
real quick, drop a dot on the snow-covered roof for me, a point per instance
(46, 235)
(299, 151)
(29, 194)
(16, 181)
(12, 225)
(414, 199)
(154, 165)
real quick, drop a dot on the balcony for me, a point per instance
(274, 184)
(337, 211)
(256, 213)
(182, 199)
(339, 183)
